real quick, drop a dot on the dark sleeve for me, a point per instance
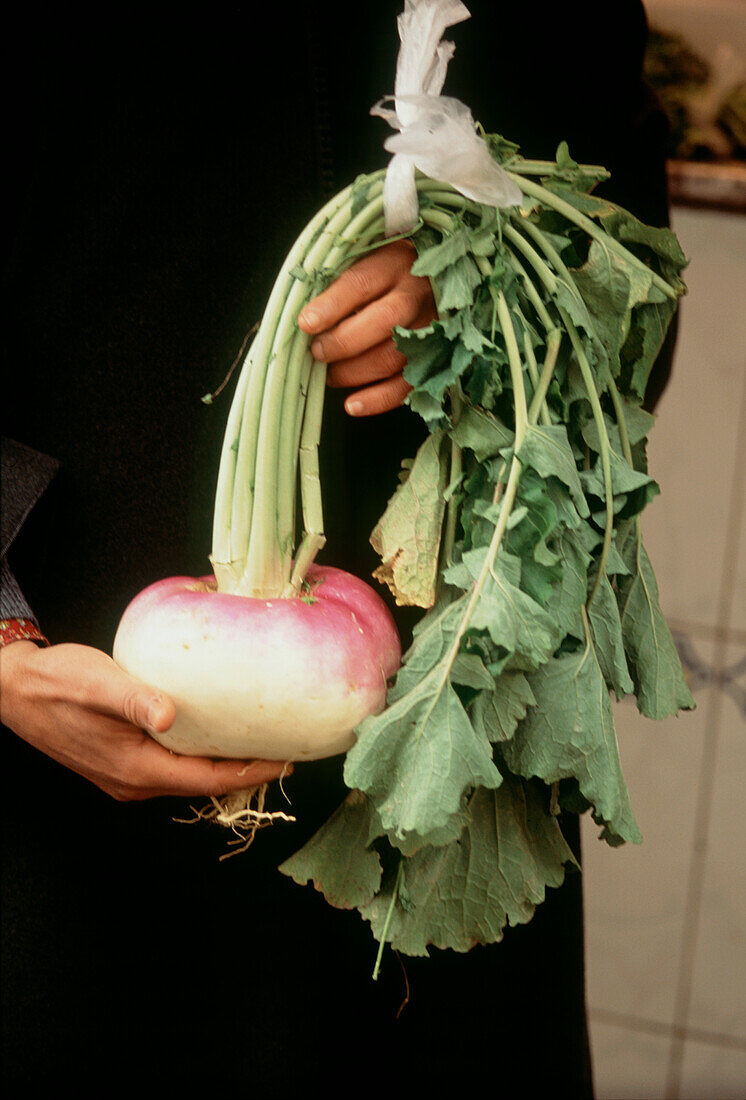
(26, 473)
(12, 602)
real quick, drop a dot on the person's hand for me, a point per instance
(76, 705)
(352, 322)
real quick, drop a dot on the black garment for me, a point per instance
(24, 475)
(161, 177)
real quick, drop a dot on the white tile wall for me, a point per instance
(634, 896)
(738, 607)
(666, 921)
(713, 1072)
(629, 1065)
(718, 997)
(694, 446)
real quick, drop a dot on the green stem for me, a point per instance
(538, 401)
(547, 168)
(234, 495)
(506, 506)
(621, 420)
(547, 275)
(267, 569)
(550, 281)
(253, 532)
(523, 419)
(514, 354)
(455, 471)
(221, 558)
(300, 364)
(313, 515)
(255, 499)
(389, 915)
(605, 449)
(549, 198)
(516, 369)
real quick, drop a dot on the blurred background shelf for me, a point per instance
(714, 186)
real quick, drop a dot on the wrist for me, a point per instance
(16, 674)
(17, 630)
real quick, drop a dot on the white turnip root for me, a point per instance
(283, 679)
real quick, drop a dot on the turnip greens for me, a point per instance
(517, 527)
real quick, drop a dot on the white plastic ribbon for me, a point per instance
(436, 133)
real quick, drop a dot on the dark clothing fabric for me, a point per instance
(161, 177)
(24, 475)
(12, 601)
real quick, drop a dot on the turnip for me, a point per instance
(283, 679)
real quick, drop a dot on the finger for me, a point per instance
(382, 361)
(365, 281)
(370, 326)
(160, 772)
(380, 398)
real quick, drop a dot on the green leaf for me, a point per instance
(469, 569)
(612, 286)
(434, 636)
(654, 663)
(413, 841)
(569, 597)
(456, 285)
(469, 670)
(569, 301)
(645, 340)
(533, 540)
(407, 537)
(482, 432)
(514, 620)
(434, 260)
(570, 733)
(495, 874)
(547, 449)
(337, 859)
(606, 629)
(496, 713)
(428, 408)
(624, 481)
(638, 424)
(567, 513)
(416, 758)
(429, 354)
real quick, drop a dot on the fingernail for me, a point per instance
(354, 408)
(317, 350)
(309, 317)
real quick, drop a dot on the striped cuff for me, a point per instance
(17, 630)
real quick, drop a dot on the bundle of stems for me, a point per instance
(270, 447)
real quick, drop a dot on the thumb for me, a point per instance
(161, 713)
(140, 704)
